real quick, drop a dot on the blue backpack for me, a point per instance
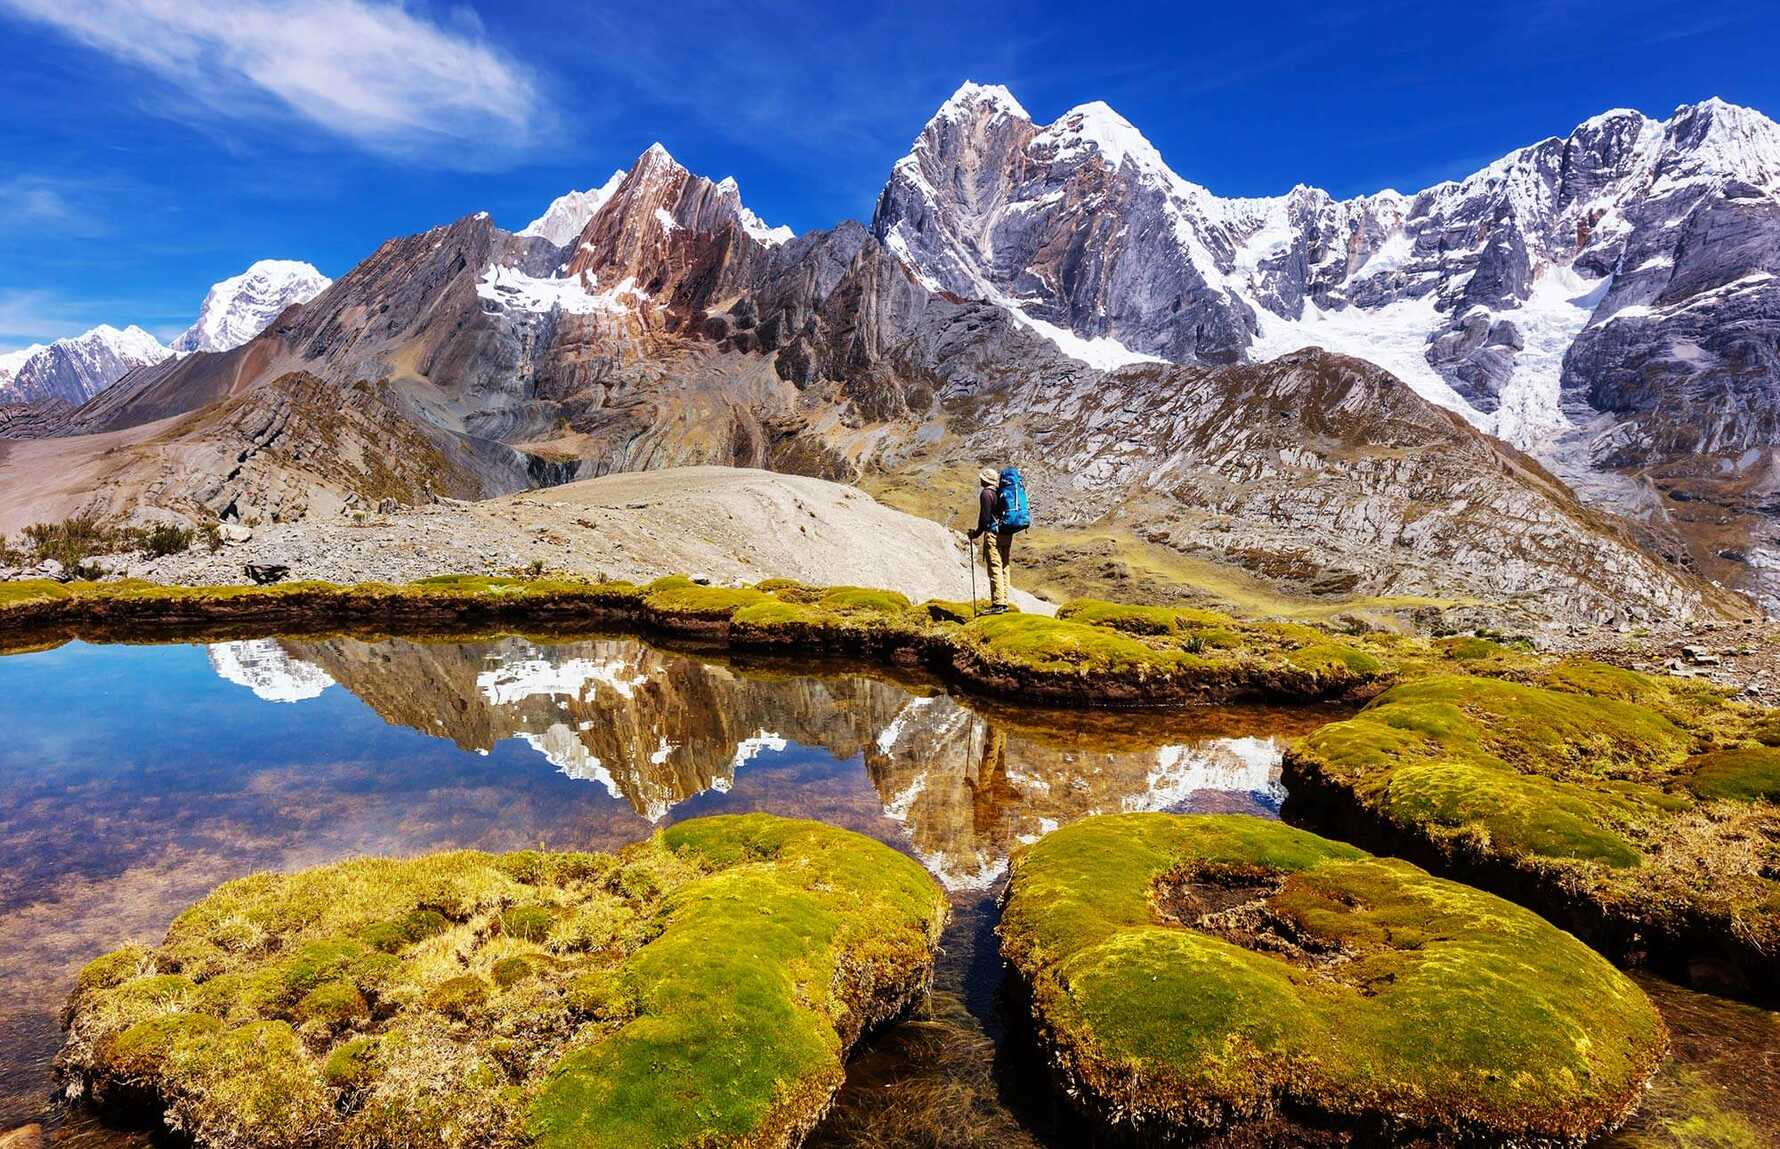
(1011, 511)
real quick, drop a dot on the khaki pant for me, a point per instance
(998, 556)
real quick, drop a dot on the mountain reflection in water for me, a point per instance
(655, 729)
(135, 779)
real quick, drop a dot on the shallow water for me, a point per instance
(133, 779)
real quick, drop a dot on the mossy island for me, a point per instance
(700, 988)
(1199, 974)
(1637, 810)
(1093, 653)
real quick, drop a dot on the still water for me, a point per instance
(133, 779)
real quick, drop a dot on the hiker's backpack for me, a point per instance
(1011, 511)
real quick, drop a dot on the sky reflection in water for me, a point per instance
(134, 779)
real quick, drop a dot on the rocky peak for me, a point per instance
(669, 236)
(1077, 227)
(1715, 138)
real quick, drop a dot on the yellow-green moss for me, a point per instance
(1585, 781)
(1335, 657)
(491, 1000)
(1191, 972)
(31, 592)
(1034, 642)
(1153, 620)
(681, 598)
(1747, 774)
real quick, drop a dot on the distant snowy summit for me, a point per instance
(235, 310)
(74, 370)
(240, 307)
(567, 214)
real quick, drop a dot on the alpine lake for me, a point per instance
(136, 778)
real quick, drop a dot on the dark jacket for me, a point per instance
(987, 502)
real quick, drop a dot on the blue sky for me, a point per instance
(152, 147)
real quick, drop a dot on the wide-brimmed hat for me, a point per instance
(988, 476)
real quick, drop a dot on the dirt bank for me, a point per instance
(726, 524)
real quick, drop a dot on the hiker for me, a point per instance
(1001, 513)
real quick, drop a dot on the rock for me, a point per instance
(50, 569)
(787, 941)
(265, 573)
(387, 506)
(1197, 974)
(234, 534)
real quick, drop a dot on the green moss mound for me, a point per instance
(1635, 809)
(701, 988)
(1095, 654)
(1193, 973)
(1132, 654)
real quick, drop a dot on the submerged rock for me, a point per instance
(1197, 973)
(1639, 811)
(701, 988)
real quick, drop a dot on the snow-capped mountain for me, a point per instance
(674, 329)
(265, 667)
(657, 225)
(11, 361)
(74, 370)
(569, 213)
(239, 308)
(1619, 268)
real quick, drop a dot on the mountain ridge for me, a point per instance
(670, 331)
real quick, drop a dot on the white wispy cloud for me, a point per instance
(37, 203)
(33, 316)
(371, 71)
